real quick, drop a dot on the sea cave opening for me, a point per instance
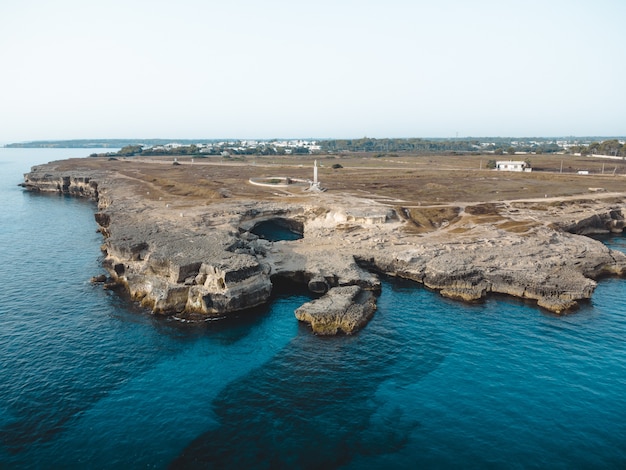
(279, 229)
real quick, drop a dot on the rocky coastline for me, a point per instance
(200, 261)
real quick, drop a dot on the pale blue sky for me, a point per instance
(324, 68)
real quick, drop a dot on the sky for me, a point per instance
(95, 69)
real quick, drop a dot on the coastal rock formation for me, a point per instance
(343, 309)
(175, 270)
(74, 183)
(202, 260)
(554, 268)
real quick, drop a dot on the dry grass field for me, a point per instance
(407, 180)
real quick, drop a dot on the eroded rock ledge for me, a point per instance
(203, 261)
(343, 309)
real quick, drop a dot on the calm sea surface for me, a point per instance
(89, 381)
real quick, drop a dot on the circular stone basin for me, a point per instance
(276, 230)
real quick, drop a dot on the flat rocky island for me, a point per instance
(179, 237)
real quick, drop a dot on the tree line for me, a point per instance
(195, 151)
(410, 145)
(497, 145)
(611, 148)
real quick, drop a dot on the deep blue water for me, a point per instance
(272, 231)
(89, 381)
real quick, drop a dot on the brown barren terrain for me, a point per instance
(409, 181)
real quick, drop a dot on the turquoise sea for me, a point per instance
(88, 380)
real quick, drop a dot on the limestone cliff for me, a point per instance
(342, 310)
(202, 260)
(74, 183)
(554, 268)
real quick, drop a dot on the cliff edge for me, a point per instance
(201, 258)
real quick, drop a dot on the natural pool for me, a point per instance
(277, 230)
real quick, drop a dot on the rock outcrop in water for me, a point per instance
(343, 309)
(200, 261)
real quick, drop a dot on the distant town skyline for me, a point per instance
(341, 69)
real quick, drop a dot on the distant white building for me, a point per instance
(512, 166)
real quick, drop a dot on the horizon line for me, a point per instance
(310, 138)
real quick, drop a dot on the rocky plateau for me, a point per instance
(199, 261)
